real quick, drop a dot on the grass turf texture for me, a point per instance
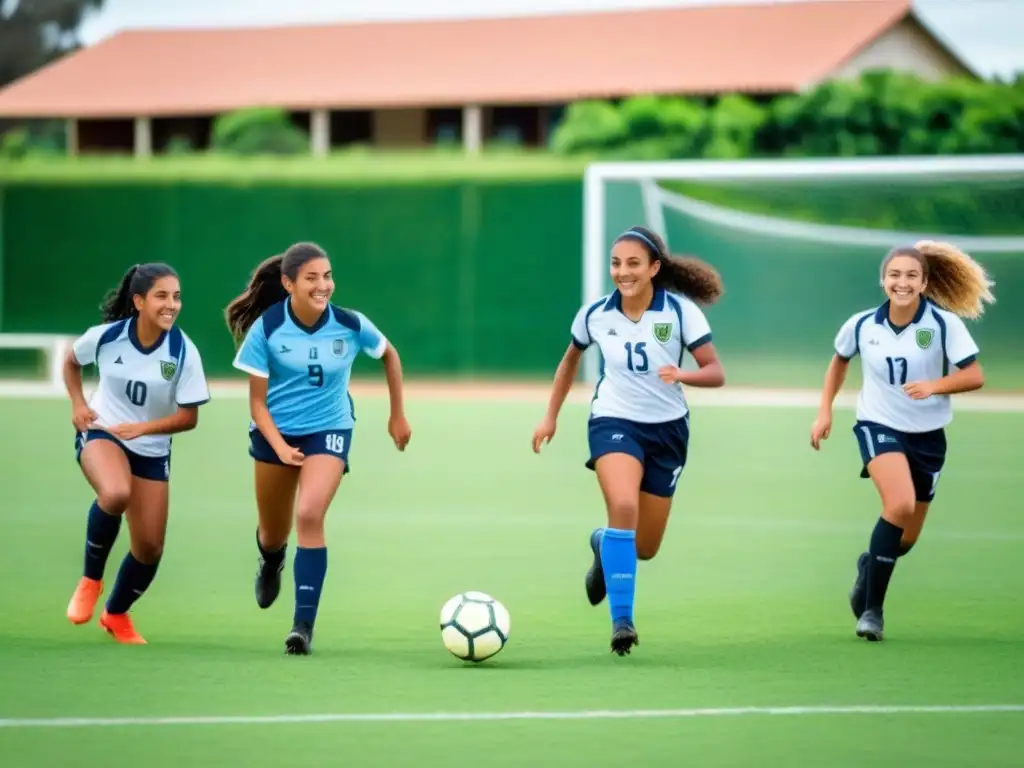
(745, 606)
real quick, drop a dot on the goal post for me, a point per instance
(768, 224)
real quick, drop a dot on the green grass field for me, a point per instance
(744, 608)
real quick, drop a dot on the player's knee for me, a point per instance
(623, 513)
(309, 518)
(113, 498)
(899, 512)
(148, 551)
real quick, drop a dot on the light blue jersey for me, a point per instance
(308, 367)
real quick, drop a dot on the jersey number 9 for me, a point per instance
(316, 375)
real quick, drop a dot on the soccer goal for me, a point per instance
(53, 348)
(797, 241)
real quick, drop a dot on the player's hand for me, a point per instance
(400, 431)
(128, 431)
(83, 417)
(293, 457)
(919, 390)
(820, 430)
(544, 432)
(670, 374)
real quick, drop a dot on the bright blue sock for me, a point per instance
(100, 534)
(618, 560)
(310, 568)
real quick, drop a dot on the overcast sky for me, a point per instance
(987, 33)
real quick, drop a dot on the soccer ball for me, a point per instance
(474, 626)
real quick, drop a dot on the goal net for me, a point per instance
(799, 242)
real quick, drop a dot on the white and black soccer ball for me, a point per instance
(474, 626)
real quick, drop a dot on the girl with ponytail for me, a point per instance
(639, 425)
(151, 384)
(298, 350)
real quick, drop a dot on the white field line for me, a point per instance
(513, 392)
(451, 717)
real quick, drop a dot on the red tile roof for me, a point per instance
(756, 48)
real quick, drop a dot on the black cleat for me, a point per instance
(870, 625)
(859, 593)
(300, 640)
(624, 637)
(268, 583)
(595, 576)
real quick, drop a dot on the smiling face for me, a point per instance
(632, 267)
(904, 279)
(313, 286)
(161, 303)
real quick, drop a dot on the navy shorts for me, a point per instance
(332, 442)
(925, 452)
(145, 467)
(661, 448)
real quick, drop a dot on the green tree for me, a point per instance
(34, 33)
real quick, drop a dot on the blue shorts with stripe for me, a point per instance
(925, 452)
(145, 467)
(331, 442)
(661, 448)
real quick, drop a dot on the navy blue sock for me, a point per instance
(618, 560)
(133, 578)
(100, 535)
(310, 568)
(270, 557)
(884, 550)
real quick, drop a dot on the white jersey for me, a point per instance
(632, 353)
(923, 350)
(138, 384)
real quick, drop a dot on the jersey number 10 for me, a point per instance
(136, 392)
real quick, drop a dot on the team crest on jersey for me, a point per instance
(338, 348)
(924, 337)
(167, 369)
(663, 332)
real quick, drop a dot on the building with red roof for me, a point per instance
(409, 84)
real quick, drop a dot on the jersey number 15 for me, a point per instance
(641, 355)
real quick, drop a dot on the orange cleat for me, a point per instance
(83, 602)
(119, 626)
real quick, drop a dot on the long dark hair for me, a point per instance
(687, 275)
(137, 281)
(265, 288)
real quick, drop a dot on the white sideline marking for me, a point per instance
(448, 717)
